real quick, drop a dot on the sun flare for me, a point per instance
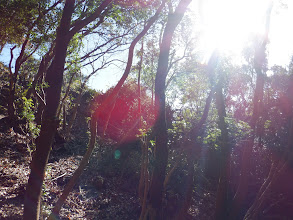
(226, 25)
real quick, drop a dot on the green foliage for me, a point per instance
(19, 17)
(212, 136)
(28, 114)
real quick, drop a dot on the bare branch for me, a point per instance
(10, 62)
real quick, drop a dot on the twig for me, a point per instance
(58, 177)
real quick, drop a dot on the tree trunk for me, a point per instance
(241, 192)
(144, 149)
(46, 59)
(277, 168)
(144, 179)
(73, 116)
(170, 173)
(66, 94)
(13, 80)
(182, 213)
(242, 189)
(69, 186)
(223, 185)
(260, 69)
(76, 105)
(195, 132)
(49, 123)
(154, 205)
(39, 113)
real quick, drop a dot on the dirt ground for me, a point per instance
(97, 195)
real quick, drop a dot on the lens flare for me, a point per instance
(117, 154)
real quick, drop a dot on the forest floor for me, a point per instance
(94, 197)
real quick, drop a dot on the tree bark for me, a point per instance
(222, 205)
(154, 204)
(46, 59)
(255, 124)
(144, 152)
(49, 123)
(144, 179)
(65, 95)
(195, 132)
(73, 116)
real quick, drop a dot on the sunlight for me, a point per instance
(227, 24)
(281, 35)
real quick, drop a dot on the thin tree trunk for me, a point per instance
(49, 123)
(77, 104)
(277, 169)
(39, 113)
(143, 155)
(13, 79)
(184, 206)
(64, 118)
(243, 180)
(46, 59)
(109, 104)
(168, 176)
(65, 95)
(69, 186)
(138, 84)
(142, 172)
(14, 76)
(73, 116)
(191, 158)
(144, 181)
(252, 212)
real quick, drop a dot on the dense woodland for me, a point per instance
(175, 138)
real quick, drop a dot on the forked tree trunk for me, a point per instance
(154, 204)
(49, 123)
